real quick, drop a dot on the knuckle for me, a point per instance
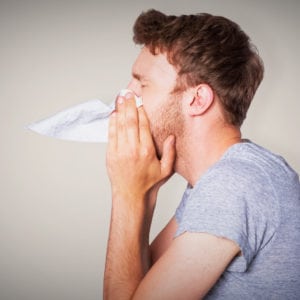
(147, 152)
(131, 122)
(133, 154)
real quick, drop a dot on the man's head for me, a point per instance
(205, 49)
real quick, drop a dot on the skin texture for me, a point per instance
(185, 133)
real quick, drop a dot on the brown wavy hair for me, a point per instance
(206, 49)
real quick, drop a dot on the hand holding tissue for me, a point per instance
(85, 122)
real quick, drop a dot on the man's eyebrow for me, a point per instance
(138, 76)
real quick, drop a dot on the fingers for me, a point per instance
(168, 156)
(121, 121)
(132, 120)
(132, 160)
(144, 128)
(127, 121)
(112, 132)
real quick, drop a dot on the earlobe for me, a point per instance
(202, 100)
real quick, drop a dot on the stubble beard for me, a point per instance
(168, 121)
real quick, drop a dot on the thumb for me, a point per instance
(168, 156)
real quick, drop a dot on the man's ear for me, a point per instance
(202, 100)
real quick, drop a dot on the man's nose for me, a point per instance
(134, 86)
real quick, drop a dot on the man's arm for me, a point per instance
(163, 240)
(135, 174)
(186, 267)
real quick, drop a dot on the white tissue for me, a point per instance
(85, 122)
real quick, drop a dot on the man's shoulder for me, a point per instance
(239, 163)
(249, 172)
(249, 161)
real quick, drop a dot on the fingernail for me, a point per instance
(129, 96)
(120, 100)
(172, 140)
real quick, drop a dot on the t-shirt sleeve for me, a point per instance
(226, 203)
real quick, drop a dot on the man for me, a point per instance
(235, 234)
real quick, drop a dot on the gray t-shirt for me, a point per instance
(250, 196)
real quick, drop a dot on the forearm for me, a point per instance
(135, 173)
(128, 252)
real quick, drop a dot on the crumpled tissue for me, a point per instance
(84, 122)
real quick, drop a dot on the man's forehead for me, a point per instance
(148, 66)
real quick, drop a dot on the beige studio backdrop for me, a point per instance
(55, 195)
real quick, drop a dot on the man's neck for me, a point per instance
(198, 152)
